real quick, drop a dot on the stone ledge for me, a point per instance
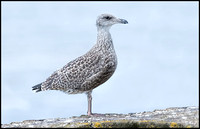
(170, 117)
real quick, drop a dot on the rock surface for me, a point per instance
(174, 117)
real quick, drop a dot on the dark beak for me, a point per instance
(123, 21)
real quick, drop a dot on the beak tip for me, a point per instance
(123, 21)
(126, 22)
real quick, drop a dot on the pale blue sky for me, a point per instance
(157, 56)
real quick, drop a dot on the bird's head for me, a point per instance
(107, 20)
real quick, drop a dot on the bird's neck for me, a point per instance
(104, 39)
(103, 35)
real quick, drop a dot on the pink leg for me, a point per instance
(89, 97)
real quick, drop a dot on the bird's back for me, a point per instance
(84, 73)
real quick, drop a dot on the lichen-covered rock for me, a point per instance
(177, 117)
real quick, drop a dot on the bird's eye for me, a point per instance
(107, 17)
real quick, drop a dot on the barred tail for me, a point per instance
(37, 88)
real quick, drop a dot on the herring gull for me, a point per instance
(90, 70)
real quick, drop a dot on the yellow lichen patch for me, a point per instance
(105, 121)
(122, 120)
(97, 125)
(152, 126)
(173, 125)
(144, 121)
(188, 126)
(131, 124)
(85, 123)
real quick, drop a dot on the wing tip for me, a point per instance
(37, 88)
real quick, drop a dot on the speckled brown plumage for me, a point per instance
(90, 70)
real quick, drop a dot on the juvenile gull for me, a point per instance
(90, 70)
